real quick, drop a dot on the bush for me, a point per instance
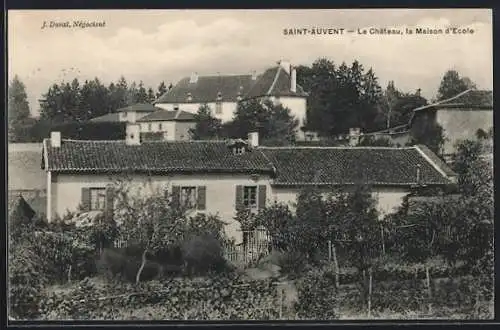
(222, 297)
(26, 282)
(317, 296)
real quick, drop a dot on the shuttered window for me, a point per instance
(190, 197)
(250, 197)
(97, 198)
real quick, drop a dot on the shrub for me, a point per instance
(26, 282)
(317, 296)
(223, 297)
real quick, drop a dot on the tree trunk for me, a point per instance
(337, 269)
(370, 292)
(382, 238)
(143, 263)
(69, 274)
(429, 290)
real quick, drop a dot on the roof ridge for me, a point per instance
(274, 81)
(339, 147)
(444, 101)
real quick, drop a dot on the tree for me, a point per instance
(207, 127)
(273, 122)
(162, 89)
(340, 97)
(142, 96)
(151, 95)
(452, 84)
(429, 133)
(375, 141)
(153, 221)
(466, 163)
(18, 108)
(396, 107)
(95, 99)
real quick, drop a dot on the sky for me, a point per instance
(166, 45)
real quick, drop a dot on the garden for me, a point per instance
(333, 257)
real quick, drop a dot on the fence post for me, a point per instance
(382, 237)
(337, 268)
(329, 250)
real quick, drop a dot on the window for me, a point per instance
(97, 198)
(250, 197)
(159, 126)
(124, 114)
(149, 127)
(188, 197)
(218, 107)
(176, 107)
(239, 150)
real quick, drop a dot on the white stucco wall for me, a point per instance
(228, 108)
(388, 198)
(220, 191)
(459, 124)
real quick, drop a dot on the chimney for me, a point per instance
(133, 135)
(253, 139)
(354, 134)
(285, 64)
(293, 80)
(194, 78)
(189, 97)
(55, 139)
(254, 75)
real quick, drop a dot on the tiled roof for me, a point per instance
(289, 165)
(165, 115)
(107, 118)
(161, 157)
(206, 89)
(24, 171)
(348, 165)
(274, 82)
(139, 107)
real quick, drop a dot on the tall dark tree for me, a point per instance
(340, 97)
(452, 84)
(18, 107)
(207, 127)
(95, 99)
(142, 95)
(162, 89)
(151, 95)
(274, 122)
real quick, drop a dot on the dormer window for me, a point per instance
(238, 147)
(176, 107)
(239, 150)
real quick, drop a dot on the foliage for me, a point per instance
(452, 84)
(162, 89)
(473, 172)
(397, 107)
(375, 141)
(273, 121)
(217, 298)
(276, 218)
(40, 129)
(428, 132)
(340, 97)
(207, 127)
(18, 109)
(317, 296)
(26, 281)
